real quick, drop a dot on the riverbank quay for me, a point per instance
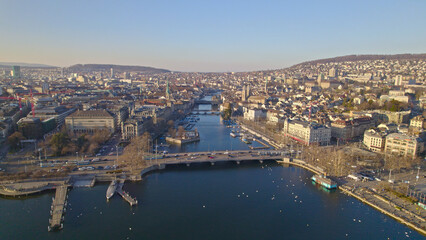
(411, 215)
(260, 135)
(30, 187)
(387, 207)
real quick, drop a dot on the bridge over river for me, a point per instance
(220, 156)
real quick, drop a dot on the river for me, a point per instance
(224, 201)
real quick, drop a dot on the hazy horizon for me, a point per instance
(208, 36)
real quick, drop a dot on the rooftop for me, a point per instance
(91, 114)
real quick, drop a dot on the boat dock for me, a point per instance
(58, 208)
(126, 196)
(264, 145)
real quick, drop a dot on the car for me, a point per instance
(211, 157)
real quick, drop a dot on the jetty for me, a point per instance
(126, 196)
(58, 208)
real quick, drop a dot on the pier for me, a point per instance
(126, 196)
(264, 145)
(58, 208)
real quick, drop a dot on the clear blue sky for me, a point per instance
(204, 35)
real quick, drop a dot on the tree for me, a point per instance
(81, 143)
(60, 143)
(227, 114)
(180, 132)
(133, 154)
(170, 123)
(15, 139)
(172, 132)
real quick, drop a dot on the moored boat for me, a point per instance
(324, 181)
(111, 189)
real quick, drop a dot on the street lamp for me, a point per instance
(418, 171)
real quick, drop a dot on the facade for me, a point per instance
(349, 129)
(374, 140)
(307, 133)
(90, 121)
(403, 145)
(16, 72)
(417, 122)
(254, 114)
(257, 99)
(392, 117)
(131, 128)
(59, 113)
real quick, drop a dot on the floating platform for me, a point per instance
(126, 196)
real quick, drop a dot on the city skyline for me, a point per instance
(207, 36)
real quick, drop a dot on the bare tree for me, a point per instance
(133, 154)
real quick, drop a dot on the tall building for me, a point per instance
(398, 80)
(90, 121)
(266, 86)
(320, 78)
(307, 133)
(16, 72)
(403, 145)
(374, 140)
(112, 73)
(126, 75)
(244, 94)
(332, 72)
(351, 128)
(45, 87)
(168, 90)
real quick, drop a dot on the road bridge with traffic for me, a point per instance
(219, 156)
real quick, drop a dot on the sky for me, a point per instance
(205, 35)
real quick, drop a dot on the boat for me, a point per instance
(233, 134)
(111, 189)
(324, 181)
(249, 138)
(245, 140)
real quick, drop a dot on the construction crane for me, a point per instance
(20, 102)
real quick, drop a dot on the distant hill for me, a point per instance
(353, 58)
(117, 68)
(26, 65)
